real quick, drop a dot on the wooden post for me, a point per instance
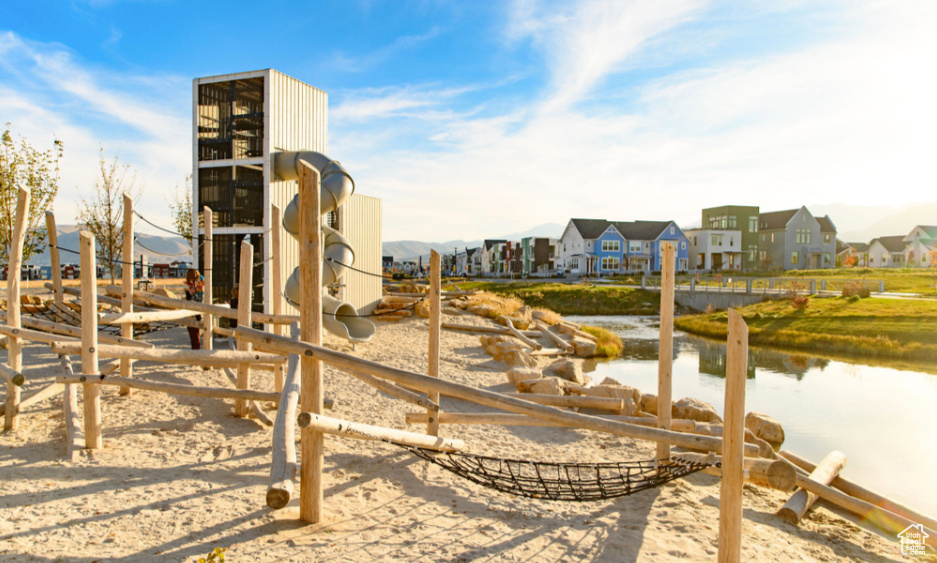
(801, 501)
(89, 339)
(207, 219)
(310, 312)
(665, 355)
(276, 292)
(72, 418)
(245, 283)
(733, 436)
(435, 325)
(126, 283)
(58, 295)
(14, 346)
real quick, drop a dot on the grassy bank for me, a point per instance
(575, 299)
(883, 328)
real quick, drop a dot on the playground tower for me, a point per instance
(240, 123)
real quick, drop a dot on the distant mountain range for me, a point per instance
(413, 249)
(153, 247)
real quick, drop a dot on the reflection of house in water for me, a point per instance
(643, 349)
(712, 359)
(788, 364)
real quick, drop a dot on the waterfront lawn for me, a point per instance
(890, 328)
(576, 299)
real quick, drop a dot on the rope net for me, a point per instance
(561, 481)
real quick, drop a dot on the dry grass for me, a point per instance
(609, 344)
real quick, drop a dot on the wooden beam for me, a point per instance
(126, 286)
(862, 493)
(733, 454)
(88, 348)
(414, 380)
(216, 358)
(665, 356)
(395, 391)
(572, 401)
(140, 317)
(208, 256)
(310, 312)
(58, 295)
(774, 474)
(245, 302)
(368, 432)
(14, 266)
(38, 396)
(545, 329)
(435, 321)
(489, 330)
(520, 336)
(12, 376)
(96, 380)
(801, 501)
(70, 332)
(73, 438)
(204, 308)
(511, 419)
(283, 463)
(276, 282)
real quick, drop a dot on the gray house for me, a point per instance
(796, 240)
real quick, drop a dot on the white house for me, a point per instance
(576, 248)
(887, 252)
(715, 250)
(921, 246)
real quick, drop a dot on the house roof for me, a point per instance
(641, 230)
(931, 230)
(826, 225)
(491, 242)
(590, 228)
(775, 219)
(891, 244)
(859, 246)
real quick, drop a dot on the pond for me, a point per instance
(883, 419)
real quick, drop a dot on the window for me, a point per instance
(753, 224)
(682, 245)
(803, 236)
(611, 246)
(610, 263)
(732, 222)
(634, 246)
(671, 230)
(772, 237)
(682, 265)
(700, 260)
(716, 240)
(827, 237)
(752, 250)
(795, 258)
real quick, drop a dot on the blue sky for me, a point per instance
(475, 119)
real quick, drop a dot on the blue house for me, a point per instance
(597, 246)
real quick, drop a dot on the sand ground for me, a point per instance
(179, 476)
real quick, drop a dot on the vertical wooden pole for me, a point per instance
(58, 294)
(435, 328)
(733, 442)
(14, 345)
(89, 339)
(206, 273)
(126, 281)
(310, 317)
(276, 284)
(245, 284)
(665, 356)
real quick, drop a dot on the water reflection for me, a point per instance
(882, 418)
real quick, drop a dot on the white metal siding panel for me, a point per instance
(361, 224)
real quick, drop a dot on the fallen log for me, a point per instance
(419, 381)
(864, 494)
(368, 432)
(517, 334)
(544, 328)
(801, 501)
(490, 330)
(215, 358)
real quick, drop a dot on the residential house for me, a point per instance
(887, 252)
(493, 257)
(473, 261)
(513, 259)
(387, 263)
(796, 240)
(921, 251)
(600, 247)
(716, 250)
(538, 256)
(743, 218)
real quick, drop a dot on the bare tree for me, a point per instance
(103, 213)
(37, 171)
(181, 209)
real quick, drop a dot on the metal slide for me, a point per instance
(338, 317)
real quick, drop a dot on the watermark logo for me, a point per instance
(912, 540)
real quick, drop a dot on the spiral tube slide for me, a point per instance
(338, 317)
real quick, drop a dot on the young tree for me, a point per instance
(103, 213)
(181, 209)
(26, 167)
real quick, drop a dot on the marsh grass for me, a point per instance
(609, 344)
(577, 299)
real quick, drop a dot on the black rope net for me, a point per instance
(582, 482)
